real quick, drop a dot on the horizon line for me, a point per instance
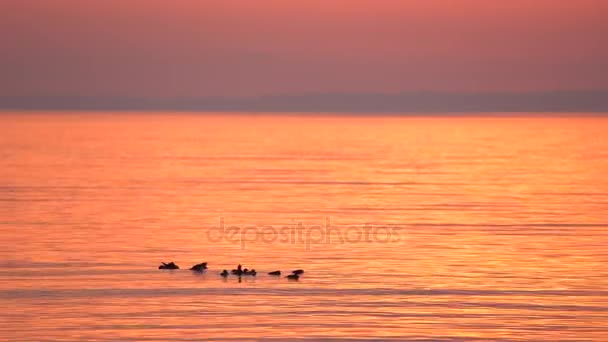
(584, 101)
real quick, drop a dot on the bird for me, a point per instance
(238, 270)
(293, 277)
(251, 272)
(224, 273)
(169, 266)
(298, 272)
(199, 267)
(275, 273)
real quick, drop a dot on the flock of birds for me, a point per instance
(238, 271)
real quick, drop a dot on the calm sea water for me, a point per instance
(407, 228)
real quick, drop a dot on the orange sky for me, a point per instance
(161, 48)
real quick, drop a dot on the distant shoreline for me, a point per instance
(311, 114)
(423, 102)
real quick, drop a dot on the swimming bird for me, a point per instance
(238, 270)
(251, 272)
(224, 273)
(275, 273)
(199, 267)
(169, 266)
(293, 277)
(298, 272)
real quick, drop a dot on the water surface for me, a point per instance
(408, 228)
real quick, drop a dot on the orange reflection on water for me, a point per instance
(498, 226)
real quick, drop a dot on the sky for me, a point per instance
(241, 48)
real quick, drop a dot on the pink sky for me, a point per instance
(158, 48)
